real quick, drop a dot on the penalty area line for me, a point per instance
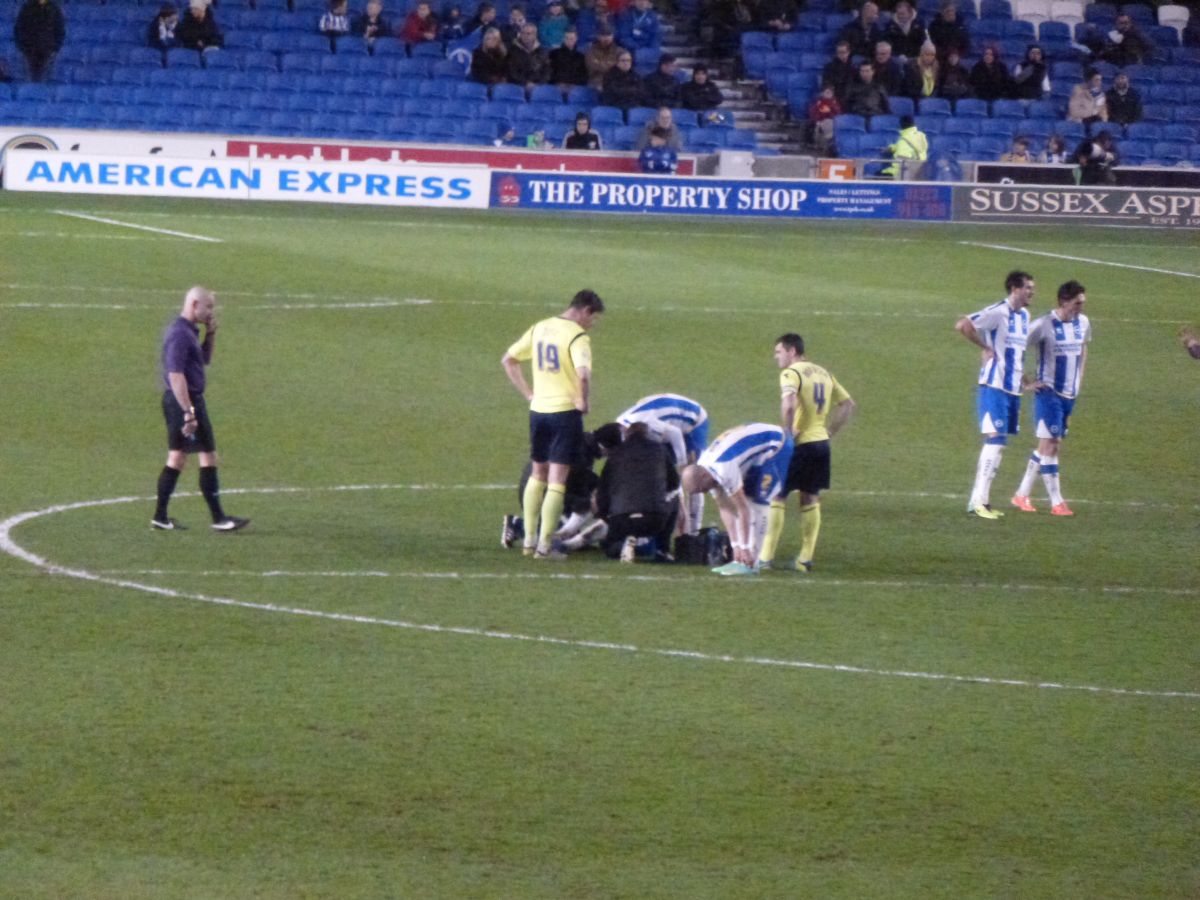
(1082, 259)
(120, 224)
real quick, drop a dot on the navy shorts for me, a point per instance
(810, 468)
(203, 440)
(556, 437)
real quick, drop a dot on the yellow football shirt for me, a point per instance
(817, 392)
(557, 349)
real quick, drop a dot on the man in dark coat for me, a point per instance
(39, 33)
(633, 496)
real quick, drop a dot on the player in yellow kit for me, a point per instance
(560, 353)
(814, 407)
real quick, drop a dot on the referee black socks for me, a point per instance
(211, 491)
(166, 486)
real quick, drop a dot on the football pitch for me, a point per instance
(364, 695)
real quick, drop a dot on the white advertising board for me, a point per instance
(380, 184)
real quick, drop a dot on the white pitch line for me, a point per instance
(9, 546)
(79, 235)
(700, 572)
(350, 302)
(102, 220)
(1083, 259)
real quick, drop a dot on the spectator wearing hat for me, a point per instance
(198, 30)
(662, 87)
(489, 61)
(39, 31)
(637, 27)
(657, 158)
(700, 94)
(664, 120)
(552, 28)
(568, 67)
(581, 137)
(601, 56)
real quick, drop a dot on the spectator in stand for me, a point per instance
(905, 32)
(420, 26)
(948, 33)
(662, 87)
(484, 18)
(1018, 153)
(700, 94)
(1123, 101)
(840, 72)
(1096, 158)
(1055, 152)
(637, 27)
(552, 29)
(568, 67)
(1031, 76)
(922, 75)
(1088, 103)
(954, 81)
(622, 85)
(657, 158)
(990, 77)
(335, 23)
(511, 30)
(589, 20)
(867, 98)
(581, 137)
(601, 56)
(489, 62)
(372, 25)
(776, 16)
(728, 19)
(506, 135)
(198, 29)
(863, 32)
(821, 113)
(39, 32)
(161, 33)
(889, 74)
(528, 61)
(664, 121)
(453, 27)
(1125, 45)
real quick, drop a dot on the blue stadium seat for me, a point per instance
(934, 106)
(1171, 151)
(931, 125)
(498, 110)
(1070, 132)
(964, 127)
(582, 96)
(180, 58)
(757, 42)
(988, 148)
(995, 9)
(1043, 109)
(546, 93)
(901, 106)
(625, 138)
(1153, 112)
(884, 123)
(1001, 128)
(1008, 109)
(849, 122)
(1179, 132)
(566, 113)
(1100, 13)
(1055, 32)
(607, 115)
(301, 63)
(1020, 31)
(510, 93)
(1144, 131)
(640, 115)
(971, 108)
(427, 50)
(797, 42)
(741, 139)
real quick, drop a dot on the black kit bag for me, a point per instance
(708, 547)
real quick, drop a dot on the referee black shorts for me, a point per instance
(203, 440)
(809, 469)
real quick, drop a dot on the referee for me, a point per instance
(188, 428)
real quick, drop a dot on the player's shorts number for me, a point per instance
(547, 357)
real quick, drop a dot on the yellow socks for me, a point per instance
(552, 508)
(770, 544)
(810, 527)
(531, 507)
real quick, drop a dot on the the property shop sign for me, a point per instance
(1098, 205)
(366, 183)
(711, 196)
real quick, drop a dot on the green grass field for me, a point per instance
(363, 695)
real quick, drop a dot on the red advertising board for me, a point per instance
(536, 160)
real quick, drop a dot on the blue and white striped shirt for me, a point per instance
(1060, 347)
(738, 450)
(1005, 331)
(671, 419)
